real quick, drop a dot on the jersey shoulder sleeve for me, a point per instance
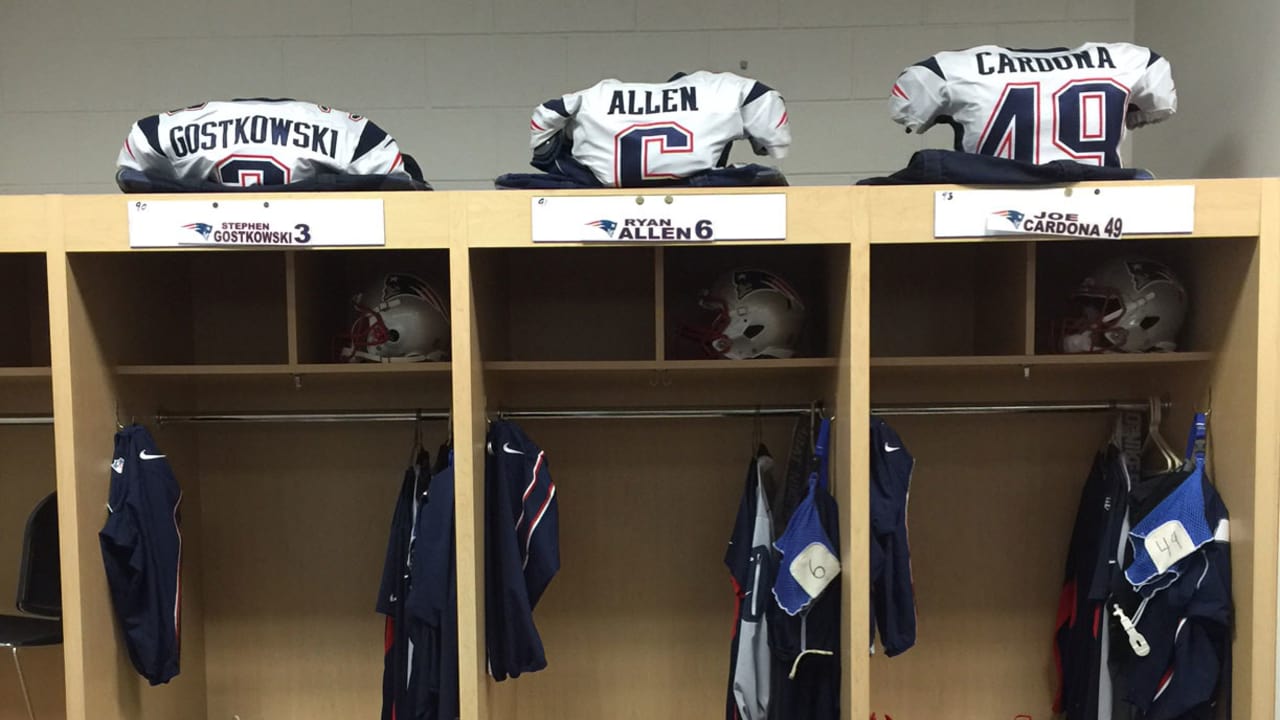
(1154, 97)
(553, 116)
(920, 95)
(376, 152)
(143, 150)
(765, 119)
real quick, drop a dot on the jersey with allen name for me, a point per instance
(634, 134)
(258, 142)
(1038, 105)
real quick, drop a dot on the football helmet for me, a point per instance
(1127, 305)
(400, 319)
(757, 315)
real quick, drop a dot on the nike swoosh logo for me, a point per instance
(506, 448)
(890, 448)
(144, 456)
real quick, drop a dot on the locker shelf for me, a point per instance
(309, 369)
(1065, 361)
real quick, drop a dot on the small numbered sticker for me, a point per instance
(1168, 544)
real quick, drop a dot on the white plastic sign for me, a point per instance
(259, 223)
(1097, 212)
(658, 218)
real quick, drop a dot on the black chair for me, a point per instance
(39, 590)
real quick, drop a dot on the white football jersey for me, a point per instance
(632, 134)
(258, 142)
(1038, 105)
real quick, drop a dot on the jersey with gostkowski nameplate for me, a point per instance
(1037, 106)
(265, 142)
(635, 134)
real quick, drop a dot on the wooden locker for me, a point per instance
(285, 524)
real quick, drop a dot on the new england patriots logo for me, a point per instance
(203, 228)
(608, 226)
(400, 285)
(1013, 216)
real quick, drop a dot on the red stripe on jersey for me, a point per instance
(399, 159)
(129, 149)
(783, 121)
(1164, 684)
(177, 602)
(535, 126)
(898, 92)
(528, 490)
(533, 526)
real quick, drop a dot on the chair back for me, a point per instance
(40, 579)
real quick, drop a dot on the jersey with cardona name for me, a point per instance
(1038, 105)
(258, 142)
(634, 134)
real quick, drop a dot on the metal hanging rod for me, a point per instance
(26, 420)
(1020, 408)
(658, 413)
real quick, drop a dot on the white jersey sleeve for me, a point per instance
(1153, 97)
(551, 117)
(142, 150)
(765, 120)
(919, 96)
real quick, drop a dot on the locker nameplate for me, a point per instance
(256, 223)
(1089, 212)
(658, 218)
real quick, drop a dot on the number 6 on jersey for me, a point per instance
(639, 152)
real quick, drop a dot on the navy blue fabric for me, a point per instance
(752, 570)
(142, 551)
(560, 171)
(893, 603)
(370, 138)
(522, 548)
(557, 106)
(392, 595)
(939, 167)
(1091, 571)
(740, 176)
(932, 64)
(1188, 622)
(432, 607)
(150, 126)
(136, 181)
(814, 692)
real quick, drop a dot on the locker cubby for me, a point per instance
(326, 282)
(1211, 269)
(557, 304)
(28, 473)
(24, 293)
(958, 299)
(811, 270)
(186, 308)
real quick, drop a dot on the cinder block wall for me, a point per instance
(454, 80)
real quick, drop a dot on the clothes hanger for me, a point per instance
(1168, 460)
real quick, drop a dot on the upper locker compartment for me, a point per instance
(950, 300)
(349, 301)
(711, 311)
(543, 304)
(186, 307)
